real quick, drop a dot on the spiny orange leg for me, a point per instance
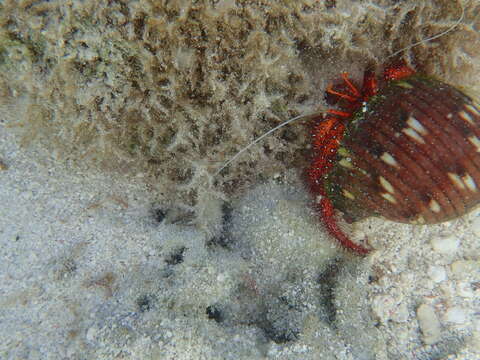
(370, 86)
(340, 94)
(327, 136)
(353, 97)
(327, 212)
(352, 87)
(397, 71)
(343, 114)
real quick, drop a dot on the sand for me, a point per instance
(88, 272)
(119, 242)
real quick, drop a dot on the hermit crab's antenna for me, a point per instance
(316, 114)
(260, 138)
(450, 29)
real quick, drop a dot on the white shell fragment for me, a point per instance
(437, 273)
(456, 315)
(476, 226)
(446, 245)
(429, 324)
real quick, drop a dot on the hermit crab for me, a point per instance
(408, 150)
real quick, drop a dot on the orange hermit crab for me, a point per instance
(408, 150)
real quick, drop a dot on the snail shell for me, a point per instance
(411, 154)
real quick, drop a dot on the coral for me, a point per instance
(170, 90)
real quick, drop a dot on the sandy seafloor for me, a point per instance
(86, 272)
(89, 267)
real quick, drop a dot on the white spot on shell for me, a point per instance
(389, 159)
(475, 142)
(343, 152)
(456, 180)
(418, 221)
(348, 194)
(414, 135)
(416, 125)
(472, 109)
(470, 183)
(434, 206)
(463, 182)
(346, 163)
(466, 117)
(362, 171)
(389, 198)
(404, 84)
(386, 185)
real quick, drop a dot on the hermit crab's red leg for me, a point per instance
(340, 94)
(370, 85)
(397, 72)
(343, 114)
(327, 136)
(352, 87)
(327, 212)
(324, 140)
(353, 97)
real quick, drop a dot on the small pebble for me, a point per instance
(456, 315)
(476, 226)
(401, 314)
(437, 273)
(91, 333)
(462, 267)
(445, 245)
(383, 307)
(429, 324)
(464, 289)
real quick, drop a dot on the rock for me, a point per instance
(476, 226)
(461, 267)
(456, 315)
(445, 245)
(429, 324)
(437, 273)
